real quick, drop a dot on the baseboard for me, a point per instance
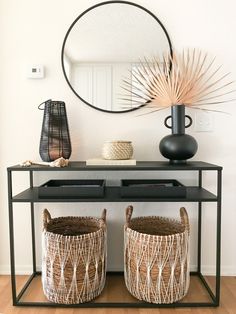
(225, 270)
(20, 270)
(206, 270)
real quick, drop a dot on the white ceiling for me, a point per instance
(115, 33)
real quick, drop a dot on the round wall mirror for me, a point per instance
(103, 45)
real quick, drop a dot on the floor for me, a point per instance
(228, 299)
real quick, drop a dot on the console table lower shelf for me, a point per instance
(115, 293)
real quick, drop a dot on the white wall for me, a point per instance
(32, 32)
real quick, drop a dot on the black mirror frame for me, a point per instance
(70, 28)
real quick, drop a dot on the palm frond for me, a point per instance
(193, 81)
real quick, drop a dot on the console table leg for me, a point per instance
(11, 234)
(218, 235)
(33, 227)
(33, 238)
(199, 249)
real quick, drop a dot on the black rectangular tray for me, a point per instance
(152, 188)
(72, 189)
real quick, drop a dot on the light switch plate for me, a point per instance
(35, 72)
(203, 121)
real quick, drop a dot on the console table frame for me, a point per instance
(194, 194)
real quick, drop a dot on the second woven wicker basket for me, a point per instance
(157, 257)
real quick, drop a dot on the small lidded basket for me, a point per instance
(117, 150)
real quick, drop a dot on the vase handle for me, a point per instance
(186, 126)
(165, 122)
(190, 121)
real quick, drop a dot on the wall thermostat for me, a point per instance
(35, 72)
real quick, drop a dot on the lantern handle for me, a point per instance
(39, 106)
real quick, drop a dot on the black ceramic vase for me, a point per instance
(55, 137)
(178, 147)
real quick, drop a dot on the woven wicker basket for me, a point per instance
(157, 257)
(118, 150)
(74, 258)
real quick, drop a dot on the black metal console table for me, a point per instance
(194, 194)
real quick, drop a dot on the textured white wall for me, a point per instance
(32, 32)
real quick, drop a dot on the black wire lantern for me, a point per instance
(55, 137)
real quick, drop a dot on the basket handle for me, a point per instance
(129, 212)
(184, 218)
(46, 218)
(103, 218)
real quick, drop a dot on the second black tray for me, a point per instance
(152, 188)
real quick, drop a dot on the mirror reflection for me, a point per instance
(103, 46)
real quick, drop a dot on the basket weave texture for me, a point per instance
(74, 258)
(118, 150)
(157, 257)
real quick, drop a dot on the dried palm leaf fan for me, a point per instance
(183, 80)
(189, 79)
